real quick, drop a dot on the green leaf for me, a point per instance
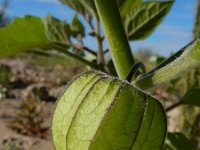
(140, 19)
(87, 7)
(178, 141)
(188, 60)
(143, 20)
(31, 32)
(128, 6)
(57, 31)
(90, 6)
(192, 97)
(77, 27)
(99, 112)
(22, 35)
(76, 5)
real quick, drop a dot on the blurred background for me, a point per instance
(31, 82)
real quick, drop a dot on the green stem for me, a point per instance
(115, 34)
(100, 54)
(64, 51)
(173, 106)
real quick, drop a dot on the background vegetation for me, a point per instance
(31, 81)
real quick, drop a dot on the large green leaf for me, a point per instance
(189, 59)
(178, 141)
(22, 35)
(142, 21)
(98, 112)
(31, 32)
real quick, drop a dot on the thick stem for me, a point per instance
(115, 34)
